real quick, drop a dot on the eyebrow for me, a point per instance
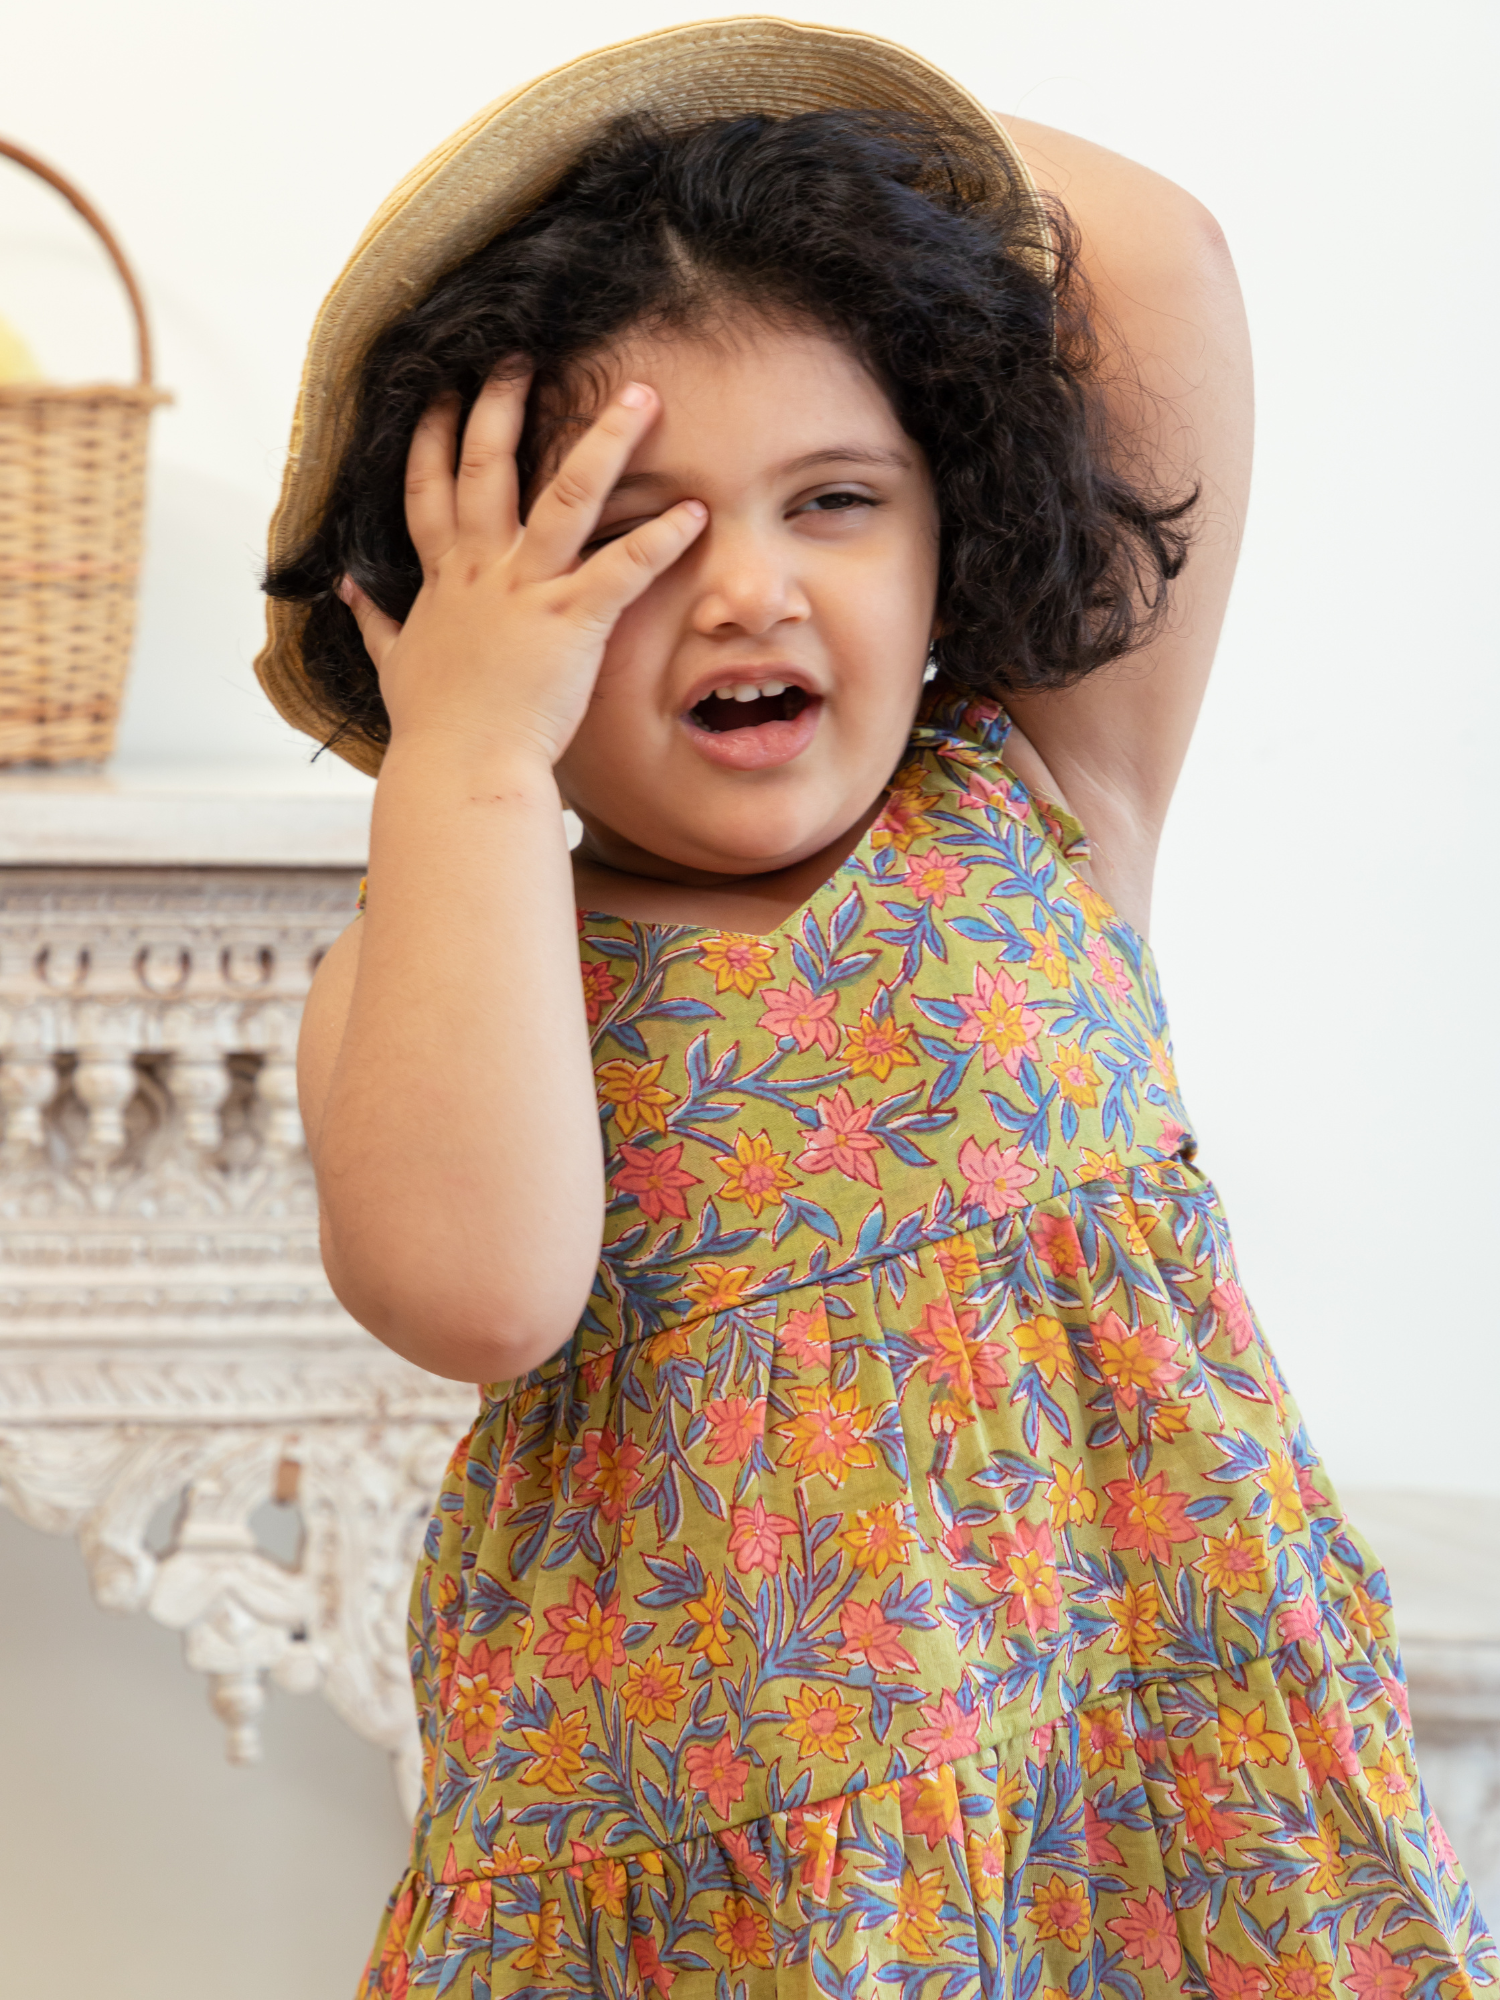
(838, 454)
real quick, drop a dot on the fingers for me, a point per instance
(567, 509)
(625, 569)
(431, 505)
(378, 631)
(488, 500)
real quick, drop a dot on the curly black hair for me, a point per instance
(1053, 559)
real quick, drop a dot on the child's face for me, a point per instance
(816, 574)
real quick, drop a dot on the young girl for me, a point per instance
(886, 1559)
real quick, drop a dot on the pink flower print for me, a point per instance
(873, 1640)
(755, 1538)
(806, 1016)
(1396, 1695)
(1298, 1620)
(1135, 1359)
(1375, 1974)
(655, 1179)
(1109, 969)
(935, 876)
(1229, 1302)
(600, 986)
(950, 1731)
(993, 1180)
(997, 1018)
(988, 796)
(738, 1425)
(804, 1336)
(841, 1140)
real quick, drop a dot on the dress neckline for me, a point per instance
(947, 715)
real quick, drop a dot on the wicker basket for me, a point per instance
(72, 493)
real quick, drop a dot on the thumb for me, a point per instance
(378, 632)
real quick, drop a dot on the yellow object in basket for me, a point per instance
(17, 363)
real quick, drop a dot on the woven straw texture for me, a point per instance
(499, 166)
(72, 491)
(72, 495)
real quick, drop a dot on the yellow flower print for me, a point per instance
(826, 1434)
(1135, 1236)
(719, 1288)
(1136, 1608)
(673, 1341)
(653, 1688)
(1390, 1784)
(1297, 1975)
(1234, 1562)
(753, 1173)
(1162, 1063)
(958, 1261)
(821, 1723)
(1042, 1343)
(544, 1929)
(1102, 1739)
(877, 1538)
(1370, 1613)
(1048, 956)
(556, 1751)
(1060, 1909)
(1096, 912)
(875, 1048)
(1279, 1482)
(987, 1866)
(635, 1095)
(711, 1639)
(1010, 1789)
(1077, 1078)
(1101, 1166)
(608, 1884)
(1070, 1496)
(918, 1924)
(1323, 1849)
(741, 1933)
(1247, 1738)
(903, 817)
(738, 963)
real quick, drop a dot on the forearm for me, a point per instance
(458, 1156)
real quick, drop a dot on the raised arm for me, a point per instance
(1177, 365)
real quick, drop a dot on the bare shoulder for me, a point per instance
(323, 1021)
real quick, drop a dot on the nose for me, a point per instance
(747, 583)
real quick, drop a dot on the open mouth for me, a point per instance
(724, 710)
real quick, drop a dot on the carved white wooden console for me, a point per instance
(174, 1372)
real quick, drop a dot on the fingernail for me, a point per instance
(696, 508)
(635, 395)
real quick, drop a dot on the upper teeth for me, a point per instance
(743, 691)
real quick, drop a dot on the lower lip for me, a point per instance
(756, 749)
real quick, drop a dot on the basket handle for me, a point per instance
(105, 235)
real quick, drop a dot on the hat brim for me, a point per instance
(502, 164)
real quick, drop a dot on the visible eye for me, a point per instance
(838, 502)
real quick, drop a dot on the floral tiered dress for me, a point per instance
(913, 1579)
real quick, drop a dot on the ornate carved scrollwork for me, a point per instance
(171, 1358)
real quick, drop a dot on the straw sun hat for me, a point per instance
(503, 163)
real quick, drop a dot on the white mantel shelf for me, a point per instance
(231, 815)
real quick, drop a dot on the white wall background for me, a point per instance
(1326, 918)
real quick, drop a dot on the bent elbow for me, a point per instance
(477, 1327)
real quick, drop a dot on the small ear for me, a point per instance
(378, 632)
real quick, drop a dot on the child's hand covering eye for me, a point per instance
(505, 639)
